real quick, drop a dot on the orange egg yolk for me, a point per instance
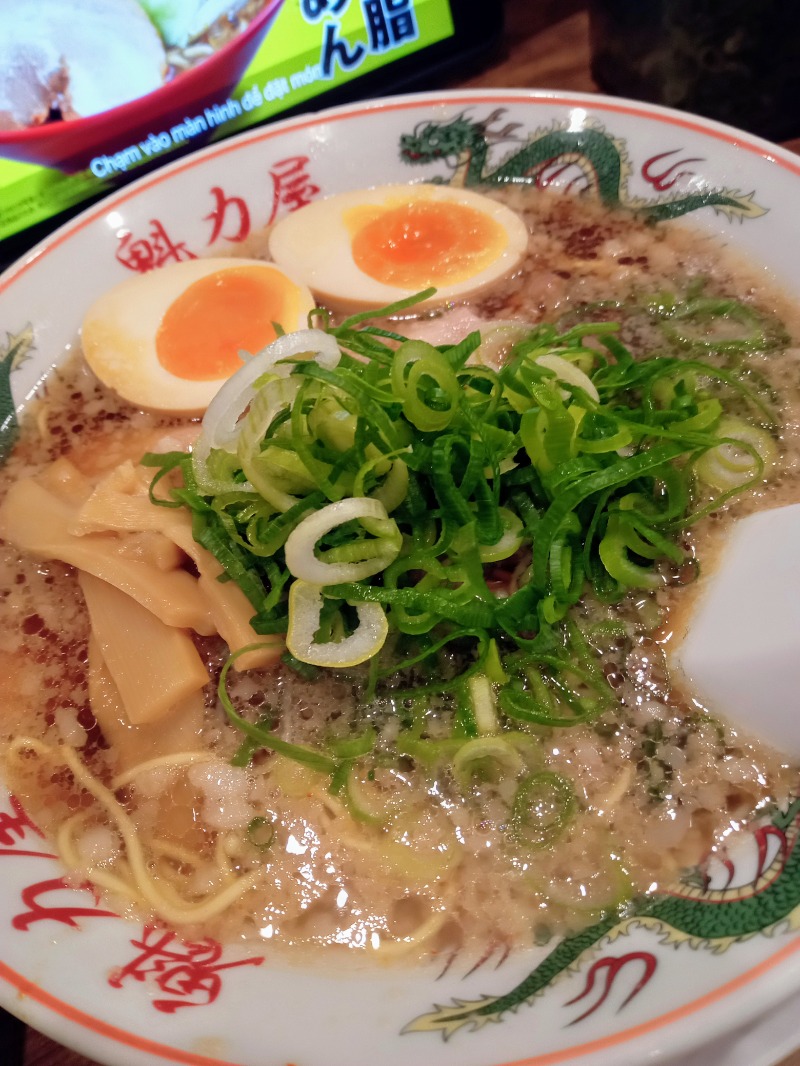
(426, 242)
(204, 329)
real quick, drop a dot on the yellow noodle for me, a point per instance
(171, 893)
(108, 881)
(228, 847)
(402, 946)
(180, 913)
(402, 859)
(20, 744)
(177, 852)
(608, 802)
(332, 806)
(65, 842)
(68, 850)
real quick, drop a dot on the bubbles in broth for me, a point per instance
(422, 843)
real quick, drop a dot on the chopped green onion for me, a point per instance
(742, 456)
(544, 805)
(487, 759)
(261, 833)
(367, 493)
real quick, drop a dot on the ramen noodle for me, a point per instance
(422, 842)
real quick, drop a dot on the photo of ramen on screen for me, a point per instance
(94, 93)
(52, 67)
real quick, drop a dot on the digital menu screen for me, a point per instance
(94, 93)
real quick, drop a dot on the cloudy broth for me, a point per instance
(658, 781)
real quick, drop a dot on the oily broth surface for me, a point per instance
(659, 784)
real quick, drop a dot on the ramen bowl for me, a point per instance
(717, 952)
(71, 145)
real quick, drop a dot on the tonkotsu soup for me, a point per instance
(429, 709)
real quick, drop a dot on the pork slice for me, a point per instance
(444, 327)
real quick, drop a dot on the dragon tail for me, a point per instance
(477, 1013)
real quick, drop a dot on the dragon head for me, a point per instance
(438, 140)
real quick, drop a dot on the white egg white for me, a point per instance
(314, 243)
(119, 330)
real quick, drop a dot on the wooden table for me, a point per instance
(546, 46)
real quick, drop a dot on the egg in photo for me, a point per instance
(374, 246)
(168, 339)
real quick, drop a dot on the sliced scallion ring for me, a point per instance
(221, 420)
(728, 466)
(484, 703)
(487, 758)
(261, 833)
(269, 401)
(498, 341)
(569, 373)
(376, 553)
(305, 608)
(368, 801)
(544, 805)
(425, 382)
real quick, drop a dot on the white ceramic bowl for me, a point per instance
(126, 995)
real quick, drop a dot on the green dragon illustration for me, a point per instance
(689, 914)
(463, 144)
(17, 349)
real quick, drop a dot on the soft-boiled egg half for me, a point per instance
(374, 246)
(168, 339)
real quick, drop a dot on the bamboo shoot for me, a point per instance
(154, 666)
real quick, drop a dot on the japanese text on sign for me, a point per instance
(388, 24)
